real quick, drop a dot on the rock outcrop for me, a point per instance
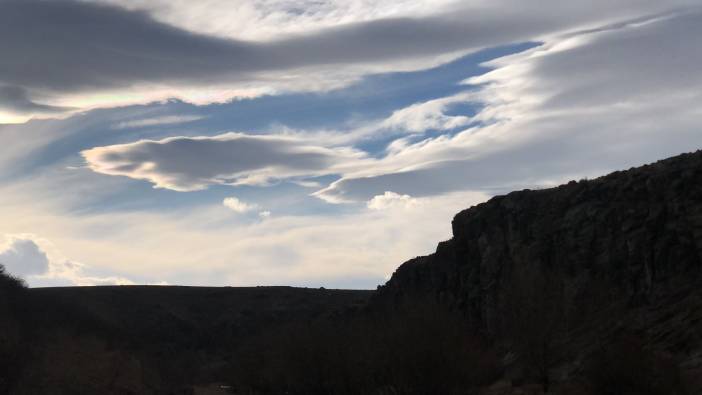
(632, 236)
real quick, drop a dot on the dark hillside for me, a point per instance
(198, 317)
(142, 339)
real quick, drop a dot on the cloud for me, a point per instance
(194, 163)
(23, 257)
(158, 121)
(391, 200)
(208, 247)
(430, 115)
(266, 20)
(86, 55)
(598, 95)
(579, 105)
(38, 262)
(237, 205)
(16, 98)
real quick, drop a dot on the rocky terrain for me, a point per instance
(623, 252)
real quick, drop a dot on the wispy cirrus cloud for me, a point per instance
(420, 117)
(265, 20)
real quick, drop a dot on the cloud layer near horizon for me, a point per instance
(36, 261)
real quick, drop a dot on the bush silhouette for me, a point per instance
(11, 356)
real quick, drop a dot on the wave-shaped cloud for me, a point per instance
(78, 52)
(579, 105)
(194, 163)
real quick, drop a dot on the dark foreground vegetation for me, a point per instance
(591, 288)
(141, 339)
(418, 349)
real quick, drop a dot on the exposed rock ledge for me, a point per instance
(637, 231)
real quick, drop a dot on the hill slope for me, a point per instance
(199, 317)
(143, 339)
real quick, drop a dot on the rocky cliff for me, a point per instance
(632, 237)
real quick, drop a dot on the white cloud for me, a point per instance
(195, 247)
(22, 257)
(157, 121)
(420, 117)
(38, 262)
(194, 163)
(391, 200)
(264, 214)
(268, 19)
(306, 183)
(237, 205)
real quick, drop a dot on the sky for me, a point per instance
(313, 142)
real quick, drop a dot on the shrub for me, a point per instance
(11, 355)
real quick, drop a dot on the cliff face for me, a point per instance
(632, 236)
